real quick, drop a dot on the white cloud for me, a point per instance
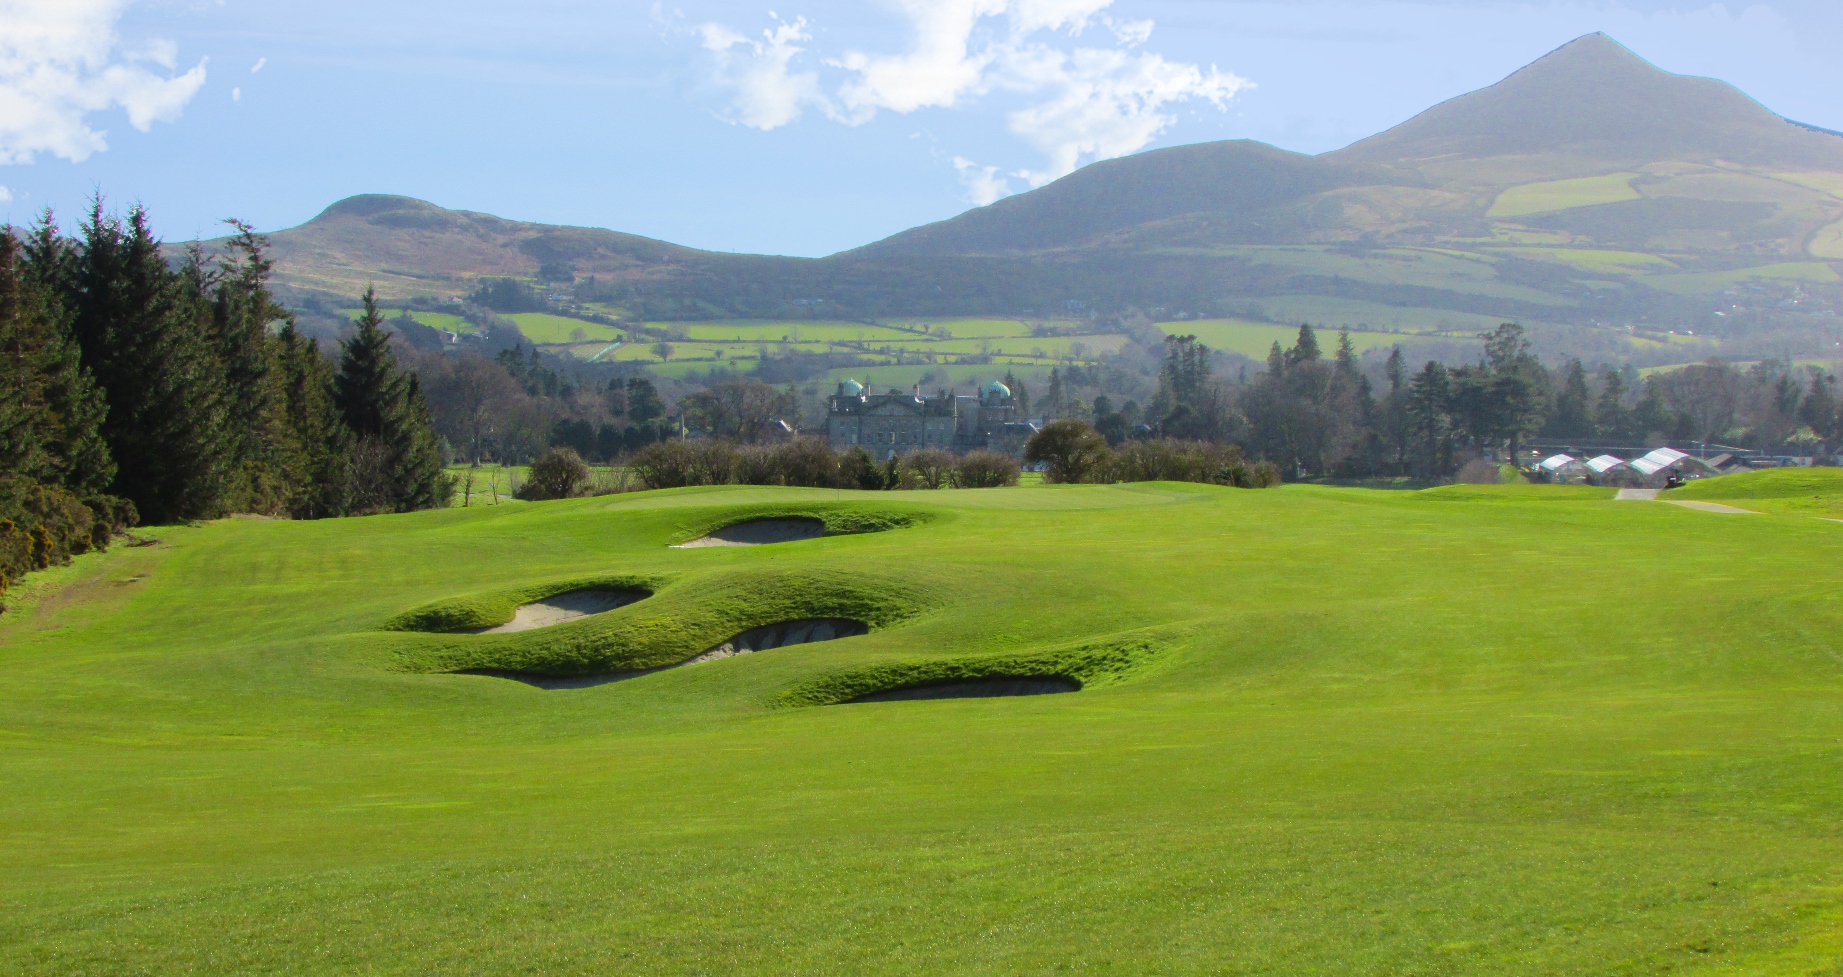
(236, 94)
(61, 61)
(258, 65)
(6, 196)
(983, 183)
(1084, 102)
(768, 95)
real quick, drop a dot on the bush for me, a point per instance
(807, 462)
(558, 473)
(43, 526)
(1071, 449)
(677, 463)
(929, 468)
(1172, 460)
(985, 469)
(1265, 474)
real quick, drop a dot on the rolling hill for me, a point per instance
(1590, 195)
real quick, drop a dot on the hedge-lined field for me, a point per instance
(1320, 731)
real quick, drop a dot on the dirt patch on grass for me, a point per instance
(563, 607)
(983, 688)
(759, 532)
(768, 636)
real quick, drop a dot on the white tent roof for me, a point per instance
(1646, 466)
(1556, 463)
(1604, 463)
(1663, 458)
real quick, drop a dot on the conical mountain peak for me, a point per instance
(1595, 98)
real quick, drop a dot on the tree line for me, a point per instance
(136, 389)
(1319, 414)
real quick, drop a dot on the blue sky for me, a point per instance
(783, 127)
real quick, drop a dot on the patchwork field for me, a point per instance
(1505, 730)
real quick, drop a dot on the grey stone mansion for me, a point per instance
(897, 423)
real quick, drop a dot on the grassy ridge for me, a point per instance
(1789, 491)
(1473, 731)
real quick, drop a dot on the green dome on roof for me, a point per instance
(851, 388)
(997, 388)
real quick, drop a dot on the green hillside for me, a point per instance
(1589, 195)
(1467, 731)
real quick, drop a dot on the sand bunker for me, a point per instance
(982, 688)
(564, 607)
(759, 532)
(755, 639)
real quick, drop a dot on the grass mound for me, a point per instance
(1516, 493)
(688, 617)
(1786, 491)
(470, 612)
(1088, 664)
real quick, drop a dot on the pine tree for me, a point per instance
(1346, 354)
(395, 457)
(1396, 368)
(51, 411)
(1571, 418)
(144, 331)
(1305, 350)
(263, 446)
(319, 437)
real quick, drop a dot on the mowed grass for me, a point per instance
(1538, 198)
(1468, 731)
(1816, 492)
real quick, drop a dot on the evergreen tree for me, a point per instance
(265, 452)
(1052, 400)
(1429, 404)
(1571, 418)
(1819, 409)
(51, 412)
(1305, 350)
(1346, 355)
(396, 459)
(319, 437)
(1612, 419)
(145, 334)
(1396, 368)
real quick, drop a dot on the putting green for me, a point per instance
(1496, 730)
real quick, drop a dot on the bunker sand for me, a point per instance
(561, 608)
(759, 532)
(763, 638)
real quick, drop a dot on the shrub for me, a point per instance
(929, 468)
(807, 462)
(43, 526)
(1172, 460)
(676, 463)
(1071, 449)
(1265, 474)
(985, 469)
(558, 473)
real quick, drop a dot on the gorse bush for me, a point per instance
(43, 526)
(558, 473)
(811, 463)
(1073, 452)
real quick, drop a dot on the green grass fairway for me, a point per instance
(1814, 492)
(1537, 198)
(1510, 730)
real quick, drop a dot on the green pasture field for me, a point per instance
(964, 378)
(756, 331)
(1339, 313)
(1710, 282)
(1456, 271)
(542, 327)
(976, 328)
(1502, 730)
(1255, 339)
(1827, 242)
(1814, 492)
(1596, 262)
(437, 320)
(1537, 198)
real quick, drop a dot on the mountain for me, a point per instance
(1589, 194)
(1593, 99)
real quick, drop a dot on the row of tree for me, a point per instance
(138, 388)
(1319, 415)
